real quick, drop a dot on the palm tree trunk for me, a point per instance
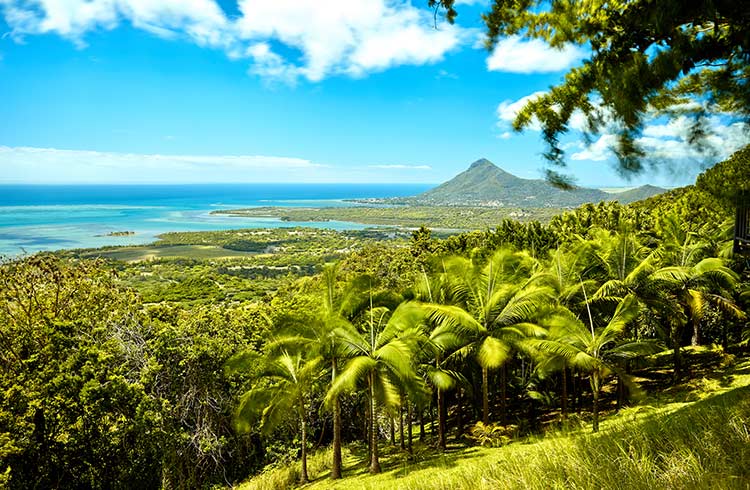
(564, 405)
(368, 421)
(677, 358)
(409, 424)
(595, 392)
(432, 421)
(303, 476)
(374, 461)
(596, 411)
(336, 466)
(459, 415)
(441, 419)
(421, 425)
(696, 338)
(401, 425)
(393, 431)
(485, 399)
(503, 394)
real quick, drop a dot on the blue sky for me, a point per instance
(280, 91)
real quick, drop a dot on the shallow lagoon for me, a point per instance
(36, 218)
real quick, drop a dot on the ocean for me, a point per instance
(34, 218)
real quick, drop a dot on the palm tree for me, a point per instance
(290, 380)
(437, 341)
(563, 277)
(495, 302)
(624, 266)
(692, 286)
(381, 357)
(594, 350)
(314, 331)
(436, 344)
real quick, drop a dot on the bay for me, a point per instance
(51, 217)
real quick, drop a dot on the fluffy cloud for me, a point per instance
(507, 110)
(349, 37)
(670, 141)
(661, 139)
(352, 36)
(515, 55)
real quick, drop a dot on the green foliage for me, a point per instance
(491, 435)
(73, 410)
(728, 180)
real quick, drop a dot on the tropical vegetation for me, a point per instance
(481, 338)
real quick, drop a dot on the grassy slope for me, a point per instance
(693, 436)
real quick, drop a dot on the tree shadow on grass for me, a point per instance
(398, 464)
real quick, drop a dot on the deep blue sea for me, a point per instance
(53, 217)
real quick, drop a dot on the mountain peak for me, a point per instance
(486, 184)
(482, 162)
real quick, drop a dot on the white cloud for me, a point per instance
(200, 20)
(660, 139)
(598, 151)
(403, 167)
(508, 109)
(52, 164)
(670, 141)
(515, 55)
(270, 65)
(332, 37)
(352, 37)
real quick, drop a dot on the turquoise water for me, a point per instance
(36, 218)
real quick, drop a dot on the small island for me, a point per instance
(118, 233)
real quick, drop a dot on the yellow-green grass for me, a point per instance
(146, 252)
(697, 437)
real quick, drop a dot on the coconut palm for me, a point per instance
(495, 302)
(437, 341)
(380, 356)
(691, 287)
(624, 266)
(315, 332)
(591, 349)
(288, 382)
(563, 276)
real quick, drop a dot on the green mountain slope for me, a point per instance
(637, 194)
(485, 184)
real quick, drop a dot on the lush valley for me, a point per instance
(396, 359)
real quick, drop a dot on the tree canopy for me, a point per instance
(647, 59)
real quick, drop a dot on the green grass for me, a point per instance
(695, 436)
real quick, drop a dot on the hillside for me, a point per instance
(637, 194)
(692, 435)
(485, 184)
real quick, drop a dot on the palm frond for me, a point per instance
(353, 372)
(493, 353)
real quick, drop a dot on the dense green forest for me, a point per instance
(187, 373)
